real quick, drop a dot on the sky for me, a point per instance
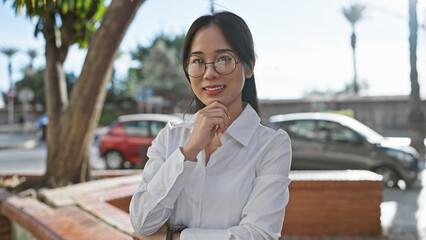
(301, 45)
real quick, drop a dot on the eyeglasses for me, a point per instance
(224, 63)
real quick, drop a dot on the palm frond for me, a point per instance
(354, 13)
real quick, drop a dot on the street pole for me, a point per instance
(10, 98)
(10, 110)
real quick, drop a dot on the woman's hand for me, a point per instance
(212, 119)
(161, 234)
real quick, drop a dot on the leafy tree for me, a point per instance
(354, 14)
(160, 69)
(72, 120)
(416, 119)
(346, 90)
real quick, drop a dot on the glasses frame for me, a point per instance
(214, 66)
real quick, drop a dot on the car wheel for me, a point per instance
(390, 177)
(114, 160)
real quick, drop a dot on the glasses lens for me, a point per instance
(196, 66)
(224, 63)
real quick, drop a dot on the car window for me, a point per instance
(334, 132)
(139, 128)
(302, 129)
(156, 127)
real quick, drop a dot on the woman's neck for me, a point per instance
(235, 110)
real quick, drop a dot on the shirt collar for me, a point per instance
(242, 129)
(244, 126)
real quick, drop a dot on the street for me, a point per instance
(33, 159)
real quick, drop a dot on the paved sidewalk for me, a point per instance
(404, 212)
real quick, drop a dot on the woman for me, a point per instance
(221, 173)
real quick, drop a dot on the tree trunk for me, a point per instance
(416, 119)
(56, 100)
(70, 135)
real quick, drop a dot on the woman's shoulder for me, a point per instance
(273, 141)
(275, 149)
(174, 129)
(265, 132)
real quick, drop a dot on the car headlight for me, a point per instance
(406, 157)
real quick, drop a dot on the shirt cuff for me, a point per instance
(171, 178)
(204, 234)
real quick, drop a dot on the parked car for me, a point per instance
(129, 138)
(332, 141)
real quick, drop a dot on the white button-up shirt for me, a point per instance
(240, 194)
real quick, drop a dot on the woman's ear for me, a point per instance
(248, 71)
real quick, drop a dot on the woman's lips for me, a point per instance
(213, 90)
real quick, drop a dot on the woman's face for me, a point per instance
(211, 86)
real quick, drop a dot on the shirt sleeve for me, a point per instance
(263, 215)
(162, 181)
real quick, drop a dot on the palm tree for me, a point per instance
(32, 53)
(354, 14)
(211, 6)
(416, 119)
(9, 52)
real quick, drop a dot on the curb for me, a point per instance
(24, 144)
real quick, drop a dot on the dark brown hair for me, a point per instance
(237, 33)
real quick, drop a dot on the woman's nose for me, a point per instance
(210, 72)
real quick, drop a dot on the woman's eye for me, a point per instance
(225, 59)
(197, 61)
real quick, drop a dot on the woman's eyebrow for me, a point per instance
(217, 51)
(224, 50)
(197, 52)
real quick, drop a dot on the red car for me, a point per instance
(127, 141)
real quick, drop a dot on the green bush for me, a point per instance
(108, 116)
(346, 112)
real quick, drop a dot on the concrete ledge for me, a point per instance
(64, 196)
(112, 206)
(46, 223)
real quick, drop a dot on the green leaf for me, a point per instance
(65, 7)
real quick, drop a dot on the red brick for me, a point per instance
(333, 208)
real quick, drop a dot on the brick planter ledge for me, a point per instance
(322, 203)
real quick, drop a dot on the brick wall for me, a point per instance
(5, 224)
(326, 204)
(121, 203)
(5, 228)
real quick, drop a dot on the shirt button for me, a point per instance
(197, 204)
(179, 168)
(204, 172)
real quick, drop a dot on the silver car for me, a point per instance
(334, 141)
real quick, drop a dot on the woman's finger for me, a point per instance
(217, 104)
